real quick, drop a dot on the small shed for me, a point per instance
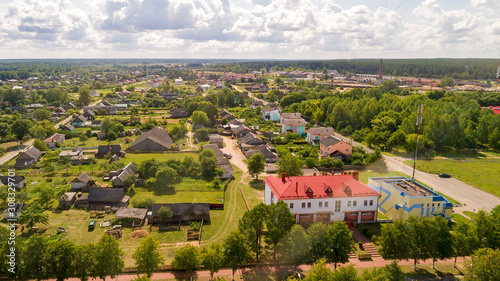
(67, 200)
(138, 215)
(14, 212)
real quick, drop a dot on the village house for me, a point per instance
(297, 126)
(178, 81)
(168, 96)
(324, 198)
(402, 198)
(28, 157)
(79, 121)
(265, 150)
(58, 112)
(17, 182)
(240, 131)
(315, 135)
(178, 113)
(114, 149)
(103, 198)
(89, 114)
(77, 151)
(335, 148)
(216, 139)
(119, 178)
(82, 183)
(53, 140)
(66, 200)
(68, 127)
(156, 139)
(183, 212)
(272, 114)
(285, 116)
(256, 103)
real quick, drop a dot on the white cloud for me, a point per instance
(248, 28)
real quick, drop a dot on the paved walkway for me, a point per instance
(266, 269)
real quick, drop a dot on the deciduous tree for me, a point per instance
(187, 258)
(236, 251)
(108, 258)
(290, 165)
(147, 257)
(212, 258)
(279, 222)
(256, 164)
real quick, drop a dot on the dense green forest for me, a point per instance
(382, 118)
(429, 68)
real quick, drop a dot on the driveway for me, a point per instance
(237, 156)
(473, 197)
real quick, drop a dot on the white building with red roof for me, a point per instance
(324, 198)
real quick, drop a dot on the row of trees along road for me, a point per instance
(269, 231)
(423, 238)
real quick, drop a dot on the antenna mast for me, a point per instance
(498, 72)
(419, 121)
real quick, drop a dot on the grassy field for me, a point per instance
(481, 173)
(458, 218)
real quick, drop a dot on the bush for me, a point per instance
(194, 226)
(145, 203)
(311, 162)
(360, 244)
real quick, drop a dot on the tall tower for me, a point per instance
(381, 71)
(498, 72)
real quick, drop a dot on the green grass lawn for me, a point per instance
(139, 157)
(481, 173)
(458, 218)
(469, 214)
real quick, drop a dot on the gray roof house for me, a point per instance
(100, 198)
(81, 182)
(156, 139)
(18, 181)
(184, 212)
(54, 139)
(28, 157)
(118, 181)
(240, 131)
(114, 149)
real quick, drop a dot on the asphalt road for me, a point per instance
(473, 197)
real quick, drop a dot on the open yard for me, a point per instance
(481, 173)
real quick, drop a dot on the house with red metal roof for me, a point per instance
(496, 109)
(324, 198)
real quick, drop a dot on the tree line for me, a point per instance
(429, 68)
(424, 238)
(381, 118)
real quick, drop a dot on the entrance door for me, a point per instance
(326, 217)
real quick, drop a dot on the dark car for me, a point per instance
(92, 225)
(444, 175)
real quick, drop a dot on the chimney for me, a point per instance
(355, 175)
(283, 177)
(314, 174)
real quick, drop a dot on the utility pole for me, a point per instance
(419, 121)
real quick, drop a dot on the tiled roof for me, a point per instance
(326, 186)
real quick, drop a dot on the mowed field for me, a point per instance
(483, 173)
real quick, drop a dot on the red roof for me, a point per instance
(496, 109)
(326, 186)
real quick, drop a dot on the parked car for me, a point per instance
(92, 225)
(444, 175)
(228, 156)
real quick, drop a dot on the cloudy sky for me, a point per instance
(249, 29)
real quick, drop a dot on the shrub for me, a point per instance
(194, 226)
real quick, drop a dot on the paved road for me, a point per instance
(473, 197)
